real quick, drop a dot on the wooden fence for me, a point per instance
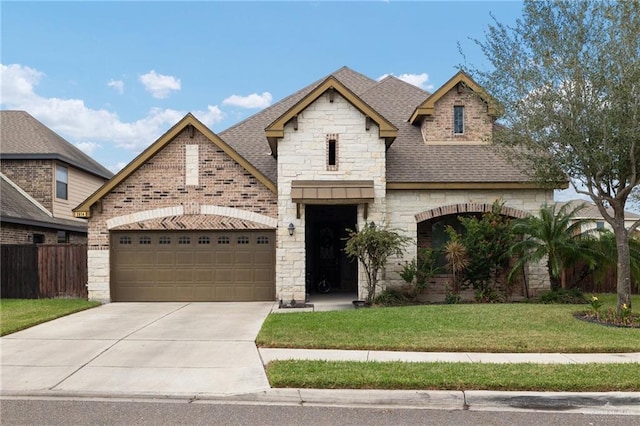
(43, 271)
(596, 282)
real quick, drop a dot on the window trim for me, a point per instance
(458, 122)
(332, 151)
(61, 168)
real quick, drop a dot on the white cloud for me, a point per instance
(88, 147)
(159, 85)
(251, 101)
(76, 121)
(118, 85)
(418, 80)
(115, 168)
(212, 115)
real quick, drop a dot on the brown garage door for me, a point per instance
(205, 266)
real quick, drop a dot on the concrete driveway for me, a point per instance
(140, 349)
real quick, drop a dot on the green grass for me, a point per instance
(455, 376)
(518, 327)
(18, 314)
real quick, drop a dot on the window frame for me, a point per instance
(62, 184)
(331, 151)
(458, 119)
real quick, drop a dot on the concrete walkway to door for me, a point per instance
(140, 348)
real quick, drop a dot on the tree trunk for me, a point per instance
(623, 284)
(554, 281)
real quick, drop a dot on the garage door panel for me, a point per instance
(243, 275)
(224, 258)
(193, 266)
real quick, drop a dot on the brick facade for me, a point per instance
(35, 177)
(159, 188)
(22, 234)
(478, 125)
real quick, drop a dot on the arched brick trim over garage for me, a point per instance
(468, 208)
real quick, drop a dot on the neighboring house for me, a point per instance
(43, 178)
(249, 213)
(593, 215)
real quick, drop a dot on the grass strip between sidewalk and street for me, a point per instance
(509, 327)
(18, 314)
(454, 376)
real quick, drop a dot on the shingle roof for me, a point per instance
(409, 159)
(592, 212)
(15, 207)
(24, 137)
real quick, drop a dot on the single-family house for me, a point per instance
(43, 177)
(260, 209)
(595, 219)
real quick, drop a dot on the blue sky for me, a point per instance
(111, 77)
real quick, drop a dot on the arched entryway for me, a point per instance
(432, 233)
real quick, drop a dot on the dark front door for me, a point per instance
(326, 233)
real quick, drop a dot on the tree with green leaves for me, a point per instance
(557, 235)
(486, 241)
(568, 77)
(372, 246)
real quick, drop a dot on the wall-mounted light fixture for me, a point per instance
(291, 229)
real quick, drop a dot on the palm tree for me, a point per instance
(556, 235)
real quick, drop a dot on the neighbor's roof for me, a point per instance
(409, 160)
(18, 207)
(25, 138)
(592, 212)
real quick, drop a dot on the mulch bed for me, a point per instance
(583, 316)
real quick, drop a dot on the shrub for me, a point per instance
(392, 297)
(563, 296)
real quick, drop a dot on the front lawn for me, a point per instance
(18, 314)
(519, 327)
(455, 376)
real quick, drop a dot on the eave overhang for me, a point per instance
(275, 130)
(428, 106)
(473, 185)
(84, 209)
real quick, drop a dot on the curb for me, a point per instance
(619, 403)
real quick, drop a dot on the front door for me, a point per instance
(326, 234)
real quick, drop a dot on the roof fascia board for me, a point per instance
(41, 224)
(84, 209)
(428, 106)
(275, 130)
(470, 185)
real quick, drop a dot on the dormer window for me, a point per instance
(332, 151)
(458, 119)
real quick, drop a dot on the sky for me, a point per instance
(112, 77)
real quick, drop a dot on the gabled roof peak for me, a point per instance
(463, 79)
(275, 130)
(188, 121)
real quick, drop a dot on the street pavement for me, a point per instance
(206, 351)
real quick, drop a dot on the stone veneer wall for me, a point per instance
(160, 186)
(35, 177)
(302, 156)
(403, 206)
(478, 125)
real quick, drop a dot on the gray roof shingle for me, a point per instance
(17, 208)
(409, 159)
(24, 137)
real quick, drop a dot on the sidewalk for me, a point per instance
(273, 354)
